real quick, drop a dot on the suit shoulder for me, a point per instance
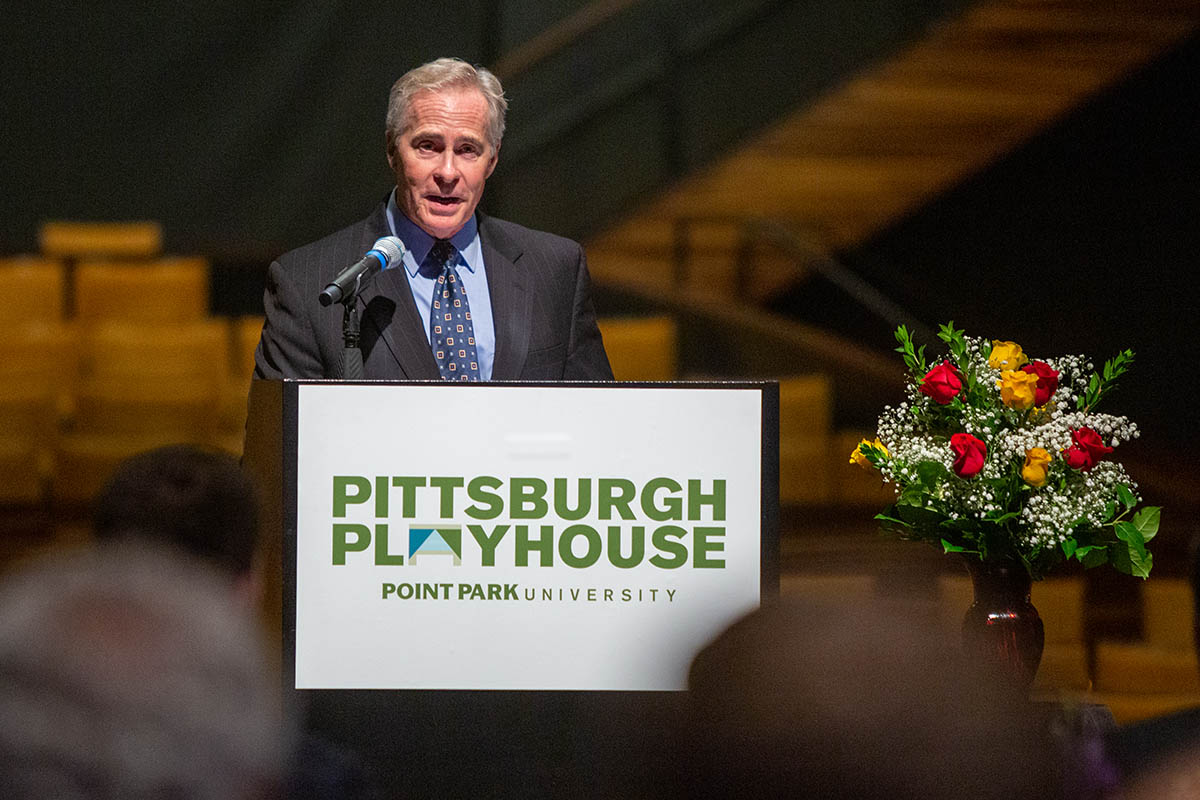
(526, 237)
(329, 251)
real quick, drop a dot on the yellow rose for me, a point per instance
(1017, 389)
(857, 457)
(1006, 355)
(1037, 463)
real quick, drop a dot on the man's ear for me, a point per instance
(492, 166)
(391, 153)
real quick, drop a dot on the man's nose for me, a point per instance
(446, 170)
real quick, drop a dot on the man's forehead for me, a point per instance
(459, 107)
(432, 130)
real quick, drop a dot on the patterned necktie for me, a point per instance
(450, 329)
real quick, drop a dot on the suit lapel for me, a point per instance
(510, 300)
(386, 305)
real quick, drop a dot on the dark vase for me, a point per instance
(1002, 631)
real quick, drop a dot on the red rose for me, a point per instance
(941, 383)
(1088, 448)
(1078, 458)
(969, 454)
(1047, 381)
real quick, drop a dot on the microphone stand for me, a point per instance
(352, 362)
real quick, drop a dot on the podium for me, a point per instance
(496, 589)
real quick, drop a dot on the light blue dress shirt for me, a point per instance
(417, 244)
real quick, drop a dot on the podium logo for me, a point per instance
(444, 540)
(662, 522)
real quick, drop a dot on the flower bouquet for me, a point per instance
(1003, 458)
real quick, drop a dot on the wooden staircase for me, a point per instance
(889, 139)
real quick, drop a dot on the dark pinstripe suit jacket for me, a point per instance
(541, 306)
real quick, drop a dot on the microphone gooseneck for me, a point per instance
(385, 253)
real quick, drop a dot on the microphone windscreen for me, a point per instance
(392, 249)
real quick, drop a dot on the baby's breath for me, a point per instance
(1004, 510)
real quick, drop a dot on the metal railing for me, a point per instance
(803, 247)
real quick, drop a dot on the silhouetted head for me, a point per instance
(129, 672)
(185, 496)
(853, 699)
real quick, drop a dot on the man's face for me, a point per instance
(442, 159)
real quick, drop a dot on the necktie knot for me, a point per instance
(451, 331)
(443, 254)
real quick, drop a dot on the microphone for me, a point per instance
(386, 252)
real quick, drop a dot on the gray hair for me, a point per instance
(126, 672)
(446, 73)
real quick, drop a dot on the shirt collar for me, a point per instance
(418, 243)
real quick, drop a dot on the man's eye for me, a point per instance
(425, 146)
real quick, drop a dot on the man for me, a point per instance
(477, 298)
(128, 672)
(187, 497)
(836, 697)
(199, 503)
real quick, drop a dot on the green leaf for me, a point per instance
(913, 359)
(930, 472)
(1092, 556)
(954, 341)
(883, 517)
(1126, 496)
(1130, 534)
(1133, 559)
(1102, 383)
(919, 516)
(1146, 521)
(952, 548)
(1069, 546)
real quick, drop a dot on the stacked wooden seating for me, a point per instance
(109, 350)
(1157, 673)
(1060, 603)
(158, 290)
(69, 239)
(806, 463)
(36, 375)
(34, 285)
(642, 348)
(244, 333)
(124, 339)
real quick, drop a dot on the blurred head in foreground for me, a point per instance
(127, 672)
(862, 700)
(186, 497)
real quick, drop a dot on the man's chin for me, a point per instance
(442, 226)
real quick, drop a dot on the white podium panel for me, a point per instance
(521, 537)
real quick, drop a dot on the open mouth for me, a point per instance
(444, 201)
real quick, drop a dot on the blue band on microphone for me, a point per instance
(382, 258)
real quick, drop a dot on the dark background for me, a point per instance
(250, 128)
(1084, 240)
